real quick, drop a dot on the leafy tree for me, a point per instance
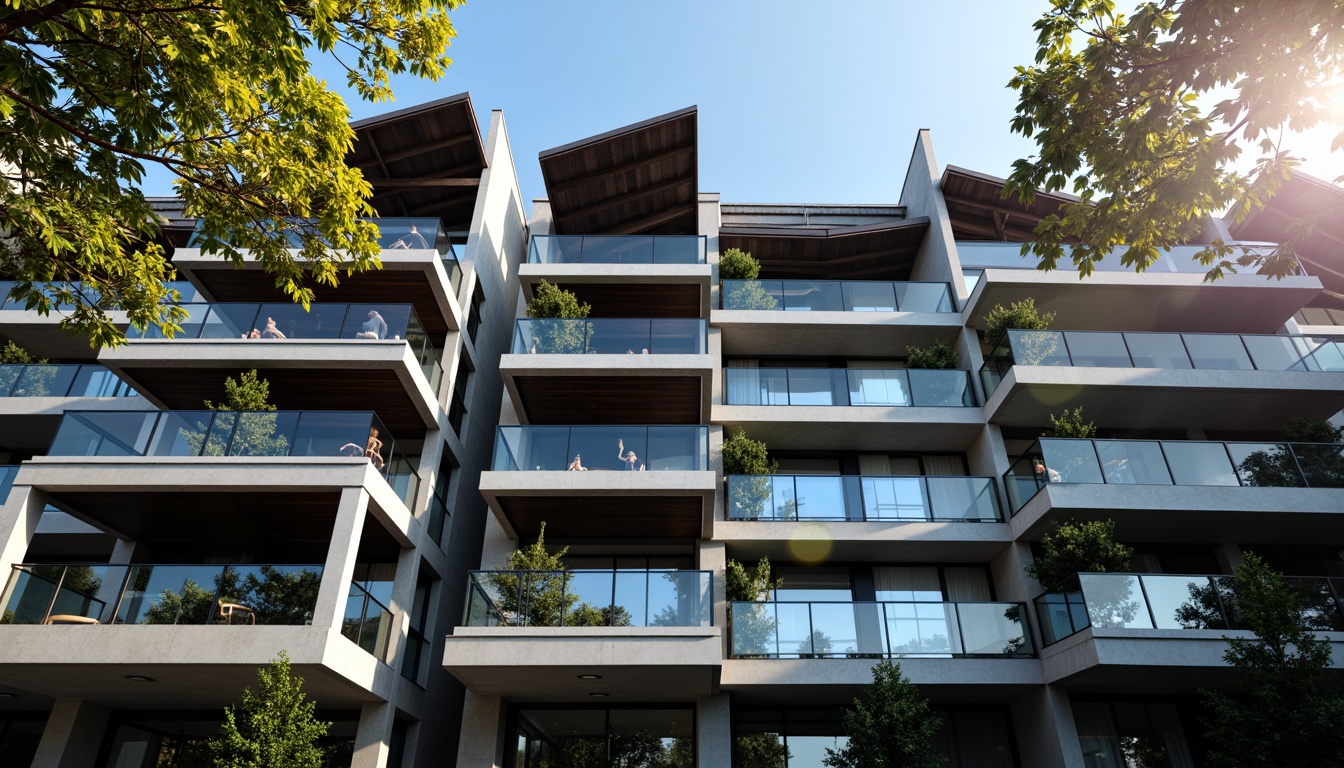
(1078, 547)
(1285, 713)
(274, 727)
(1279, 467)
(1113, 103)
(1021, 315)
(891, 727)
(736, 264)
(255, 433)
(561, 328)
(747, 461)
(761, 750)
(937, 356)
(13, 354)
(37, 382)
(249, 393)
(746, 586)
(753, 627)
(1070, 424)
(193, 604)
(220, 95)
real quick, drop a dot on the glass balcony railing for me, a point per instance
(186, 292)
(394, 233)
(279, 321)
(617, 249)
(551, 449)
(57, 380)
(869, 630)
(854, 498)
(7, 473)
(619, 598)
(1153, 601)
(837, 296)
(1179, 351)
(1173, 462)
(611, 336)
(367, 622)
(1178, 260)
(162, 594)
(848, 386)
(238, 433)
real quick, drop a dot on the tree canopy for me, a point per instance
(1116, 104)
(220, 94)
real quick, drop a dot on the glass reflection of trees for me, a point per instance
(275, 596)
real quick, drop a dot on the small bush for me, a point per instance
(744, 456)
(553, 301)
(1074, 547)
(1021, 315)
(938, 356)
(736, 264)
(1310, 429)
(749, 586)
(1070, 424)
(13, 354)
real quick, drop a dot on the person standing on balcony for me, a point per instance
(631, 461)
(413, 239)
(373, 328)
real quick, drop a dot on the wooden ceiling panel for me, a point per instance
(604, 517)
(1305, 199)
(871, 252)
(978, 210)
(640, 179)
(610, 399)
(639, 300)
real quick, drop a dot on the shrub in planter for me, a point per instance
(562, 329)
(736, 264)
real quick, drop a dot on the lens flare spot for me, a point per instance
(810, 544)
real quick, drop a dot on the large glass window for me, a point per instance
(603, 738)
(1126, 734)
(969, 738)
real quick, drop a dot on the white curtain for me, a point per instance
(945, 466)
(966, 584)
(743, 389)
(874, 465)
(1097, 735)
(948, 500)
(905, 583)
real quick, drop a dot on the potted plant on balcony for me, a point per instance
(36, 383)
(1087, 547)
(1021, 315)
(750, 462)
(563, 328)
(939, 356)
(533, 591)
(753, 628)
(736, 264)
(255, 431)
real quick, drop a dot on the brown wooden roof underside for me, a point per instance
(379, 286)
(604, 517)
(423, 161)
(978, 210)
(610, 399)
(1305, 198)
(641, 179)
(877, 252)
(636, 300)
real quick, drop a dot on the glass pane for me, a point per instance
(678, 250)
(815, 386)
(170, 594)
(993, 629)
(617, 336)
(940, 389)
(1157, 350)
(272, 434)
(752, 294)
(1115, 601)
(1056, 612)
(677, 448)
(1274, 353)
(1097, 350)
(821, 498)
(618, 250)
(290, 321)
(589, 601)
(103, 434)
(1323, 464)
(375, 322)
(270, 594)
(534, 449)
(894, 498)
(1319, 609)
(835, 629)
(1132, 462)
(962, 498)
(869, 297)
(554, 249)
(1027, 476)
(1184, 602)
(1217, 352)
(44, 381)
(609, 448)
(794, 633)
(1199, 463)
(757, 386)
(753, 629)
(1266, 465)
(752, 497)
(232, 321)
(812, 296)
(874, 387)
(1038, 348)
(923, 297)
(181, 433)
(677, 336)
(922, 629)
(1070, 461)
(96, 381)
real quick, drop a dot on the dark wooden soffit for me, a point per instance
(640, 179)
(604, 517)
(1321, 204)
(423, 161)
(610, 399)
(978, 210)
(636, 300)
(869, 252)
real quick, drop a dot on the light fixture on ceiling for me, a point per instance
(590, 677)
(599, 695)
(8, 695)
(139, 679)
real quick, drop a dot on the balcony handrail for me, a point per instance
(929, 513)
(1004, 357)
(561, 335)
(1015, 647)
(394, 232)
(1195, 268)
(23, 380)
(345, 332)
(534, 250)
(855, 380)
(505, 456)
(265, 436)
(842, 301)
(383, 629)
(702, 597)
(1295, 474)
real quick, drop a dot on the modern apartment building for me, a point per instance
(157, 553)
(906, 502)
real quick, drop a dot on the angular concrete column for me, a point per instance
(482, 742)
(1229, 556)
(73, 734)
(123, 552)
(713, 557)
(19, 516)
(430, 454)
(714, 730)
(403, 602)
(339, 568)
(373, 739)
(1046, 734)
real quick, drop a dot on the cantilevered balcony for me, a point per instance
(863, 517)
(583, 482)
(1173, 292)
(275, 435)
(844, 317)
(624, 275)
(419, 266)
(332, 356)
(609, 371)
(41, 334)
(33, 398)
(1163, 380)
(1158, 631)
(633, 635)
(1172, 490)
(897, 409)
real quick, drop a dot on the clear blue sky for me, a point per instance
(799, 102)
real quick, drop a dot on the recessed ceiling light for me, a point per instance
(8, 695)
(139, 679)
(590, 677)
(599, 695)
